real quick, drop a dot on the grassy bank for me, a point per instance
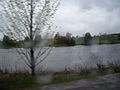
(67, 76)
(21, 80)
(27, 81)
(14, 82)
(71, 77)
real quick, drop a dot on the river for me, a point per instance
(65, 57)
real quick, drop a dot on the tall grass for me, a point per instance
(115, 66)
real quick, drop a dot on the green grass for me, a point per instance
(67, 78)
(61, 78)
(27, 81)
(11, 83)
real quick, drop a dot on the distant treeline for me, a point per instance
(59, 40)
(87, 39)
(67, 40)
(7, 42)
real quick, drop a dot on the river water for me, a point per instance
(65, 57)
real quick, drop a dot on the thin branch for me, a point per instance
(41, 60)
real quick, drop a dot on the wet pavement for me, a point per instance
(107, 82)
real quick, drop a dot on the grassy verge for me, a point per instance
(24, 80)
(72, 77)
(18, 81)
(61, 78)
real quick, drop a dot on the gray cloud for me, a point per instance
(107, 4)
(95, 16)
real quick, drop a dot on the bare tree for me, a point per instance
(29, 18)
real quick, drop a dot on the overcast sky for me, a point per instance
(94, 16)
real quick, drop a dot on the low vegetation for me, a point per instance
(19, 80)
(71, 75)
(14, 81)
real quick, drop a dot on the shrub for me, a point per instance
(115, 66)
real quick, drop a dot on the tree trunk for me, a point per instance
(31, 39)
(32, 62)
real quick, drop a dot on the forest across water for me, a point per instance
(65, 40)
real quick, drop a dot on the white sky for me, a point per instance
(94, 16)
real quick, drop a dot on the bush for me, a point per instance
(85, 71)
(115, 66)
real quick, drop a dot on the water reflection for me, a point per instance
(62, 57)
